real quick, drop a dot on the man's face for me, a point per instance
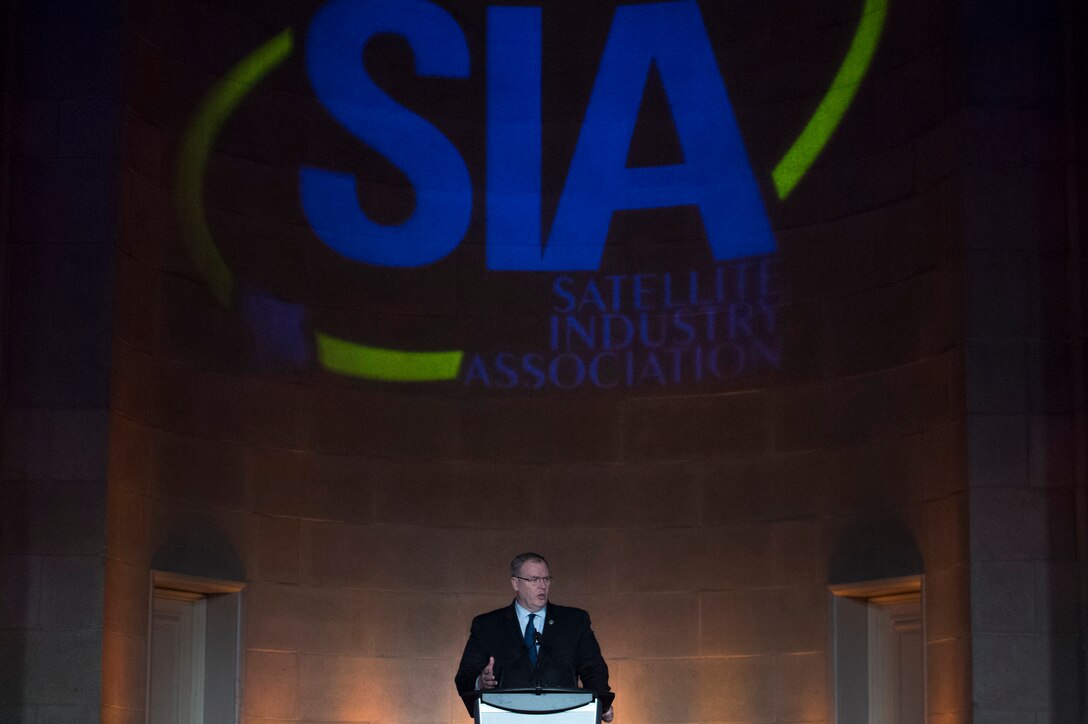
(532, 596)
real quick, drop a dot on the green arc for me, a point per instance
(196, 145)
(817, 132)
(362, 361)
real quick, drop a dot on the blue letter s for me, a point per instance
(443, 190)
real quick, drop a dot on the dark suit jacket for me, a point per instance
(569, 654)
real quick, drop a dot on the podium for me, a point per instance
(538, 706)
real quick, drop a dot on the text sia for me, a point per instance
(670, 37)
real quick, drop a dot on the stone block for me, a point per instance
(661, 560)
(945, 540)
(540, 431)
(801, 417)
(645, 625)
(72, 593)
(58, 667)
(18, 714)
(20, 591)
(797, 554)
(997, 450)
(407, 625)
(271, 687)
(890, 403)
(348, 421)
(71, 714)
(196, 332)
(1057, 596)
(948, 676)
(60, 66)
(58, 444)
(1049, 377)
(882, 475)
(345, 485)
(124, 671)
(938, 151)
(1021, 524)
(85, 217)
(947, 602)
(1011, 65)
(281, 481)
(309, 620)
(579, 495)
(125, 610)
(802, 619)
(1011, 671)
(942, 465)
(88, 127)
(470, 494)
(911, 98)
(135, 384)
(25, 443)
(318, 487)
(598, 496)
(229, 400)
(1051, 450)
(402, 558)
(734, 689)
(736, 623)
(584, 562)
(355, 689)
(954, 717)
(1003, 596)
(990, 716)
(796, 486)
(1014, 208)
(130, 450)
(801, 687)
(46, 518)
(732, 491)
(281, 414)
(34, 127)
(738, 556)
(77, 444)
(179, 399)
(127, 525)
(144, 148)
(819, 261)
(999, 292)
(118, 715)
(199, 472)
(804, 354)
(728, 425)
(277, 549)
(882, 327)
(761, 621)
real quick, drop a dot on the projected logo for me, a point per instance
(601, 328)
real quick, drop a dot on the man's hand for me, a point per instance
(487, 676)
(607, 716)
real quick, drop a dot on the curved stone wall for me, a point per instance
(702, 413)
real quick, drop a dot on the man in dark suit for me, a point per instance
(532, 643)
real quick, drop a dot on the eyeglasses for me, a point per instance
(536, 580)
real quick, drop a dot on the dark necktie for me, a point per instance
(530, 638)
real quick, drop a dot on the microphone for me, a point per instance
(510, 664)
(546, 653)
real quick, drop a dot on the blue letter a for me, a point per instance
(715, 175)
